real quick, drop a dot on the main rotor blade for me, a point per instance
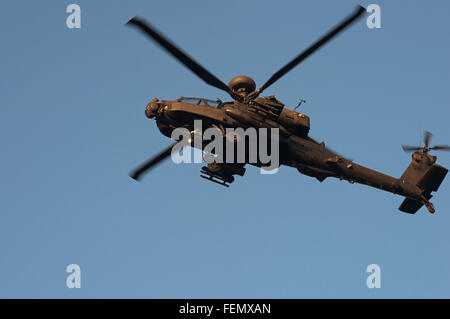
(136, 174)
(426, 138)
(411, 148)
(440, 148)
(181, 56)
(302, 56)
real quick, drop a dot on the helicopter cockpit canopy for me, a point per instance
(200, 101)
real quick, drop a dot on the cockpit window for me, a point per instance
(213, 103)
(200, 101)
(192, 100)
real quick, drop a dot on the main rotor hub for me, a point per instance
(242, 84)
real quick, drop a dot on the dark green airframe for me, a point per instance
(296, 148)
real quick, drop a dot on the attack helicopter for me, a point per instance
(296, 148)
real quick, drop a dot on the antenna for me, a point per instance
(299, 104)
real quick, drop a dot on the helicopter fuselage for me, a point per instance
(297, 149)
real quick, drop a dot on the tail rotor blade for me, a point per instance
(441, 148)
(411, 148)
(426, 138)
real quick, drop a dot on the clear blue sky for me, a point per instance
(72, 126)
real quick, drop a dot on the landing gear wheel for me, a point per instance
(430, 207)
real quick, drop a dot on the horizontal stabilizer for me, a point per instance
(410, 206)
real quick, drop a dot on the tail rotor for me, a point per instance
(426, 148)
